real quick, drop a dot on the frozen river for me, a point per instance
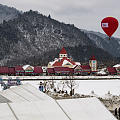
(100, 87)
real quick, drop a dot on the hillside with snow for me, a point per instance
(8, 13)
(33, 38)
(112, 46)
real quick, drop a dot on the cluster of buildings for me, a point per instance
(63, 65)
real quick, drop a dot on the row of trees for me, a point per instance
(62, 86)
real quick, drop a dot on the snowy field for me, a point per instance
(100, 87)
(85, 87)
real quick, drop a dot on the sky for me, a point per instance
(84, 14)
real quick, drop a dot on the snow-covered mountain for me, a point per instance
(32, 38)
(7, 13)
(112, 46)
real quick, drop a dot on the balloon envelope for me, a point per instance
(109, 25)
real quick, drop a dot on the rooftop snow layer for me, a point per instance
(24, 93)
(85, 109)
(118, 65)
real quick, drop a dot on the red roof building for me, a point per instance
(92, 58)
(19, 70)
(112, 70)
(85, 68)
(63, 51)
(117, 67)
(11, 70)
(62, 70)
(38, 69)
(50, 70)
(81, 69)
(63, 61)
(4, 70)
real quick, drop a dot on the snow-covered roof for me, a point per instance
(26, 66)
(102, 72)
(24, 93)
(63, 61)
(34, 105)
(85, 109)
(118, 65)
(32, 111)
(77, 63)
(66, 62)
(56, 59)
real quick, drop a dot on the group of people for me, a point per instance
(117, 112)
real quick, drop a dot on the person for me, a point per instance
(116, 112)
(119, 112)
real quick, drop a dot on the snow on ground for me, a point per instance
(100, 87)
(86, 87)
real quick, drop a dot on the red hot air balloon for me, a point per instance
(109, 25)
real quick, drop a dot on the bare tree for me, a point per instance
(72, 84)
(48, 85)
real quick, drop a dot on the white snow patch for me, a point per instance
(118, 65)
(26, 66)
(66, 62)
(77, 63)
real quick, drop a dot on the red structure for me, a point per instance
(19, 70)
(63, 51)
(4, 70)
(62, 70)
(82, 70)
(38, 70)
(92, 58)
(11, 70)
(50, 71)
(112, 70)
(85, 68)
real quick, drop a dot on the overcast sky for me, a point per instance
(85, 14)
